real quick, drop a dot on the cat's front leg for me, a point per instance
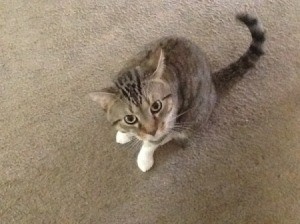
(145, 158)
(123, 138)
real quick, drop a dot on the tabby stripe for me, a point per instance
(129, 75)
(167, 96)
(184, 83)
(138, 83)
(256, 50)
(138, 80)
(258, 36)
(115, 122)
(177, 74)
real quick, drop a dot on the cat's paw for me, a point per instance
(123, 138)
(145, 161)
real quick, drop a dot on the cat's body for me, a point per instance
(168, 89)
(187, 72)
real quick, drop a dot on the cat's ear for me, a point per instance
(158, 62)
(104, 97)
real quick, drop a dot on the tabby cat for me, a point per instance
(168, 89)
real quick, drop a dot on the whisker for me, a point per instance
(130, 144)
(183, 127)
(133, 144)
(177, 116)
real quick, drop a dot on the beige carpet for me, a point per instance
(58, 160)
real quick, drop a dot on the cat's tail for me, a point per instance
(229, 75)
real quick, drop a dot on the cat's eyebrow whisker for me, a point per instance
(185, 123)
(174, 118)
(182, 126)
(180, 129)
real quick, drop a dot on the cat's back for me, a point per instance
(175, 48)
(178, 50)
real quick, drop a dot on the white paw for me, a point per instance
(123, 138)
(145, 161)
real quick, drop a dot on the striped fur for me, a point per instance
(229, 75)
(185, 75)
(130, 86)
(168, 90)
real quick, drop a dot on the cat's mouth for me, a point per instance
(156, 138)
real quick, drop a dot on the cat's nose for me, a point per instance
(153, 132)
(149, 129)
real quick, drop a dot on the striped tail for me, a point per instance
(228, 76)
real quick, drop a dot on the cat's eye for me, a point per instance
(130, 119)
(156, 107)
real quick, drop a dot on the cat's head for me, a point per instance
(140, 101)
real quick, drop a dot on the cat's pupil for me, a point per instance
(156, 106)
(130, 119)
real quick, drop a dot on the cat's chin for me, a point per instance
(151, 138)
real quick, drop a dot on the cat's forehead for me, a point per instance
(138, 89)
(129, 84)
(157, 89)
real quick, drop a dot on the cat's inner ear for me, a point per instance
(158, 62)
(105, 97)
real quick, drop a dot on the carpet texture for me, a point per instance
(58, 160)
